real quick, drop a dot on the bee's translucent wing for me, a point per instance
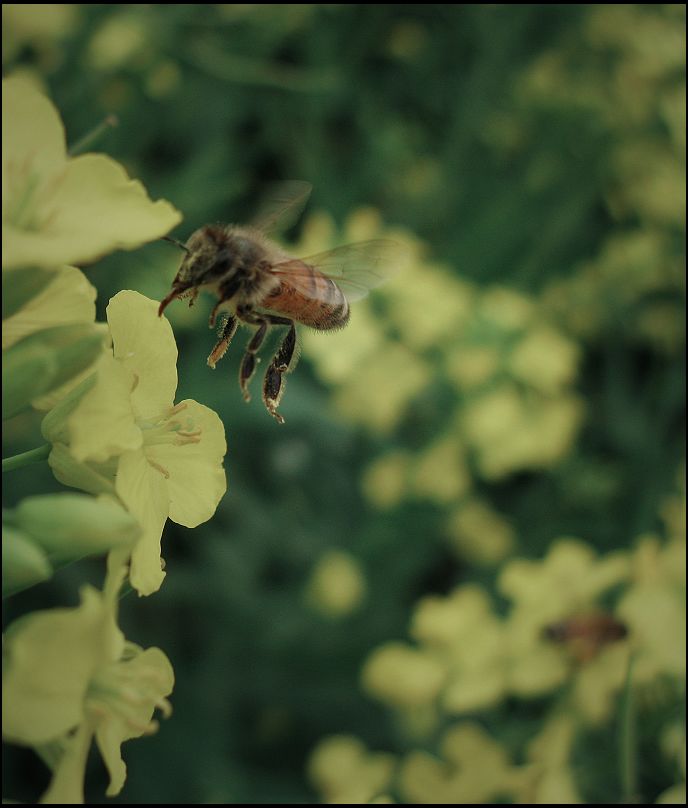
(281, 206)
(355, 268)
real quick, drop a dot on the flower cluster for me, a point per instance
(557, 640)
(113, 431)
(506, 371)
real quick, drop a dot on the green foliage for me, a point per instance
(521, 381)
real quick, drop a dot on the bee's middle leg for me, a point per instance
(250, 360)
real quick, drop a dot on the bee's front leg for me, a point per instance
(226, 292)
(228, 331)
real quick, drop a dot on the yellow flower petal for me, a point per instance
(145, 345)
(91, 209)
(58, 210)
(33, 140)
(67, 785)
(103, 423)
(156, 680)
(68, 298)
(143, 490)
(51, 658)
(197, 479)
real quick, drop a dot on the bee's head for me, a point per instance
(207, 257)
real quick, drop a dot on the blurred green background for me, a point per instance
(521, 380)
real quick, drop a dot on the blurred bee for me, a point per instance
(259, 284)
(586, 634)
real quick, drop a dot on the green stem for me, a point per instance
(91, 137)
(25, 458)
(628, 741)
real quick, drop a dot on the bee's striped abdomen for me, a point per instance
(312, 299)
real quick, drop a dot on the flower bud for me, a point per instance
(23, 562)
(69, 526)
(43, 361)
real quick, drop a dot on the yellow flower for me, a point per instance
(70, 676)
(121, 432)
(60, 210)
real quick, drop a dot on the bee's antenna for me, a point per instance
(177, 243)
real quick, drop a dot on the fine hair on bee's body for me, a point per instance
(256, 282)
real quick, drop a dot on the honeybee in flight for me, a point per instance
(257, 283)
(586, 634)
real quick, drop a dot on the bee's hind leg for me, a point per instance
(273, 386)
(228, 331)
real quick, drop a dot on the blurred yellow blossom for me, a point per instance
(40, 24)
(509, 431)
(385, 480)
(163, 79)
(345, 772)
(654, 608)
(479, 534)
(403, 676)
(441, 473)
(471, 366)
(60, 210)
(548, 779)
(570, 578)
(505, 308)
(599, 681)
(120, 39)
(384, 385)
(469, 638)
(341, 354)
(337, 585)
(428, 305)
(651, 183)
(674, 746)
(167, 457)
(475, 769)
(545, 359)
(676, 795)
